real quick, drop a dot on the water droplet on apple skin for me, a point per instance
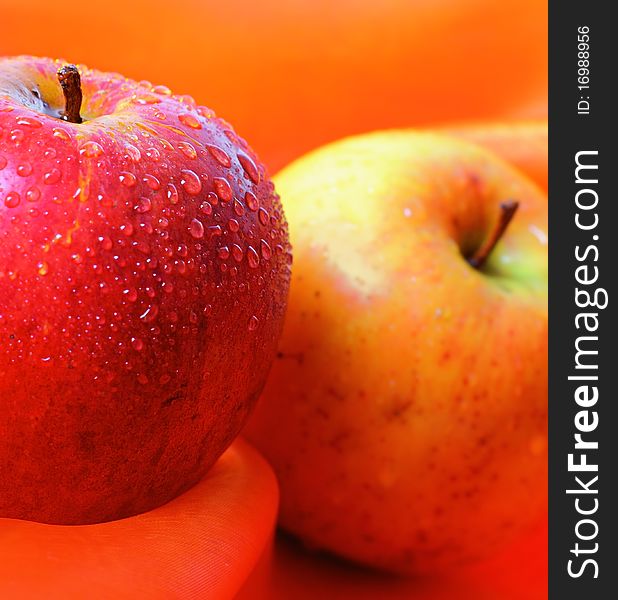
(52, 177)
(153, 154)
(263, 216)
(24, 169)
(16, 136)
(189, 120)
(33, 194)
(152, 182)
(131, 294)
(252, 257)
(43, 268)
(237, 253)
(249, 167)
(143, 205)
(188, 150)
(91, 149)
(127, 179)
(252, 201)
(172, 193)
(29, 122)
(190, 182)
(239, 209)
(61, 134)
(133, 153)
(12, 200)
(196, 229)
(150, 314)
(265, 250)
(220, 155)
(162, 89)
(145, 99)
(222, 189)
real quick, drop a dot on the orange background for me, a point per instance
(291, 75)
(517, 573)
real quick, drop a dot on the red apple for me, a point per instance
(144, 269)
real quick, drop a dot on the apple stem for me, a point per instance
(507, 212)
(70, 81)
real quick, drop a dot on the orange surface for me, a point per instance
(203, 544)
(292, 75)
(517, 573)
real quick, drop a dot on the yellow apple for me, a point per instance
(406, 413)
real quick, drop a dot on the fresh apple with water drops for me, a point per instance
(144, 269)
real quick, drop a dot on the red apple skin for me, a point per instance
(144, 270)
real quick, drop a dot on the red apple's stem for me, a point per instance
(70, 81)
(507, 211)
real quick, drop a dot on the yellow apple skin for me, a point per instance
(406, 414)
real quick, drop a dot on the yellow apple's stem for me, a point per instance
(70, 81)
(507, 211)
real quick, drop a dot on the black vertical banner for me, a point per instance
(583, 344)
